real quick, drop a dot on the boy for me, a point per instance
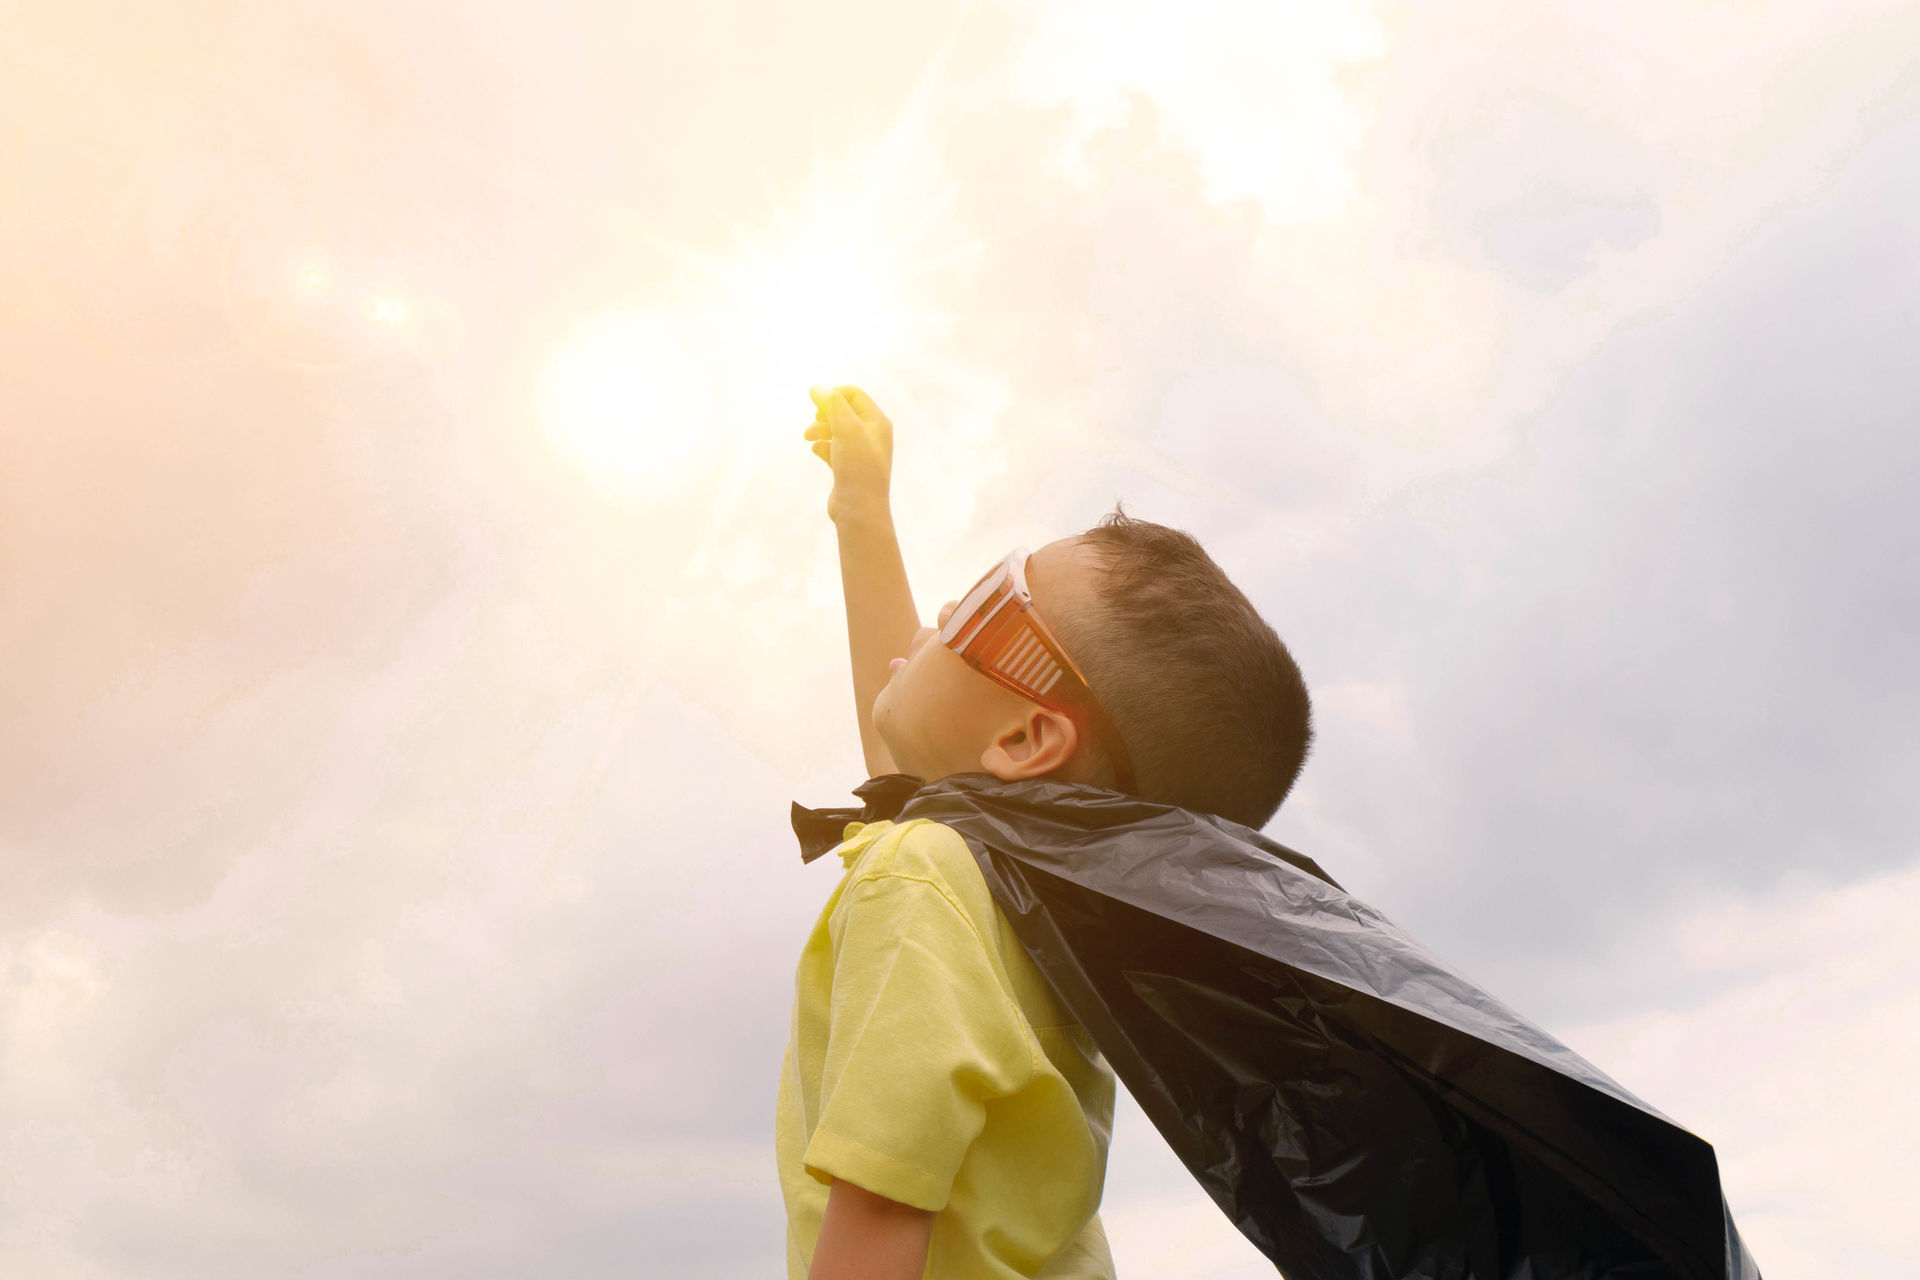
(939, 1114)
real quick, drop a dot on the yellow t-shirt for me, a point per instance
(930, 1063)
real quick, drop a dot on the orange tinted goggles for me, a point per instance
(996, 631)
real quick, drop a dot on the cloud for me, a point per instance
(1652, 653)
(1793, 1068)
(396, 879)
(449, 1039)
(1255, 92)
(1157, 1219)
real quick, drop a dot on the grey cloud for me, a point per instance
(738, 1238)
(1547, 237)
(1664, 647)
(1538, 188)
(453, 1047)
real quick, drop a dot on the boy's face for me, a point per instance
(938, 716)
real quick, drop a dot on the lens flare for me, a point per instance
(311, 275)
(389, 312)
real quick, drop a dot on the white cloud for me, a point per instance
(1418, 185)
(1257, 92)
(1797, 1069)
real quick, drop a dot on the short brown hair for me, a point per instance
(1209, 702)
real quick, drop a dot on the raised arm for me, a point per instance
(854, 438)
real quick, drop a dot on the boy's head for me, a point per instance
(1207, 700)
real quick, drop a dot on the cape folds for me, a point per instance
(1356, 1108)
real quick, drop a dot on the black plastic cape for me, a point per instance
(1356, 1108)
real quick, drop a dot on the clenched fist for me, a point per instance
(855, 439)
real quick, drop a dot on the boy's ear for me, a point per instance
(1032, 747)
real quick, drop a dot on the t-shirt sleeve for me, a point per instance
(921, 1035)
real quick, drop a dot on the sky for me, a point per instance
(419, 605)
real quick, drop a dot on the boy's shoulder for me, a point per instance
(905, 866)
(918, 848)
(922, 851)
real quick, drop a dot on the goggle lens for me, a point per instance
(973, 602)
(1017, 649)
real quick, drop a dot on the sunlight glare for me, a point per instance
(855, 281)
(620, 397)
(819, 315)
